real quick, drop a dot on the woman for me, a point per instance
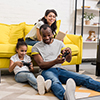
(34, 35)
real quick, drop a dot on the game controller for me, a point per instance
(26, 64)
(65, 54)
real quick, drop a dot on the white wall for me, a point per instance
(29, 11)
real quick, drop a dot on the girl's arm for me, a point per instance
(39, 38)
(13, 65)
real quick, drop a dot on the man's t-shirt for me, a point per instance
(49, 52)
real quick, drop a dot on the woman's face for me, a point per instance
(51, 17)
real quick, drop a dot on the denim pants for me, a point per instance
(30, 42)
(26, 76)
(59, 76)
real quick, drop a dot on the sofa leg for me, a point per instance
(77, 68)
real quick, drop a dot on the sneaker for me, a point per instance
(70, 89)
(40, 84)
(47, 85)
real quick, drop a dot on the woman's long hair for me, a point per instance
(53, 26)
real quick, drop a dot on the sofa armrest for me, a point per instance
(76, 40)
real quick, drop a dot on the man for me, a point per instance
(47, 54)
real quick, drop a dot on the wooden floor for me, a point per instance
(11, 90)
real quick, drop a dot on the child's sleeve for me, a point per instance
(12, 58)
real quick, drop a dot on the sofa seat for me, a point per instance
(8, 50)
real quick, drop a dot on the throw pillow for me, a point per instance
(4, 33)
(17, 31)
(28, 28)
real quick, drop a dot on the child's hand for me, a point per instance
(18, 63)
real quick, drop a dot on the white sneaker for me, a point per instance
(47, 85)
(70, 89)
(40, 84)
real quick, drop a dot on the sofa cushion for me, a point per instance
(74, 48)
(17, 31)
(7, 50)
(28, 27)
(4, 33)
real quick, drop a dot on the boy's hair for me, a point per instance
(20, 42)
(44, 26)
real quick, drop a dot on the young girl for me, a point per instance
(23, 73)
(34, 35)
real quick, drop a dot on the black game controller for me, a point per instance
(65, 54)
(26, 64)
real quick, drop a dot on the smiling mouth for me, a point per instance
(47, 40)
(51, 21)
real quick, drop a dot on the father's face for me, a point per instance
(47, 35)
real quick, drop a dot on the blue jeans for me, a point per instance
(59, 76)
(26, 76)
(30, 42)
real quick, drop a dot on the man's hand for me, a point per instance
(59, 59)
(69, 56)
(31, 67)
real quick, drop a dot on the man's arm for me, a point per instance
(45, 65)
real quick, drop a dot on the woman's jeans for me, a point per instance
(30, 41)
(26, 76)
(59, 76)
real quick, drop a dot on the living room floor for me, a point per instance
(11, 90)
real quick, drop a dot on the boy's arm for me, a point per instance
(45, 65)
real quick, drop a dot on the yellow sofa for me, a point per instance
(9, 35)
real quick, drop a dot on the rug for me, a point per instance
(11, 90)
